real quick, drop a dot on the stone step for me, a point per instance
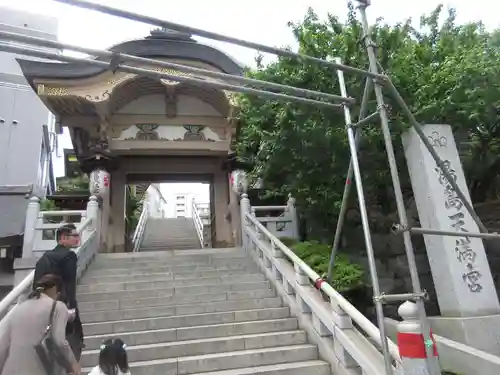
(178, 290)
(174, 233)
(168, 282)
(198, 332)
(148, 324)
(156, 276)
(173, 261)
(218, 252)
(165, 268)
(197, 347)
(193, 244)
(176, 310)
(295, 368)
(133, 303)
(224, 361)
(168, 241)
(181, 234)
(168, 247)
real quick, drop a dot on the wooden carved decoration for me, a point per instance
(103, 141)
(51, 91)
(194, 133)
(147, 132)
(170, 102)
(99, 97)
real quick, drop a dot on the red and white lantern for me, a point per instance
(238, 181)
(99, 183)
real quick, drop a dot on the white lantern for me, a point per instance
(239, 182)
(99, 183)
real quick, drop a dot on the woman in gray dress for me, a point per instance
(25, 327)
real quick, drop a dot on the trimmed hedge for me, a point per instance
(347, 276)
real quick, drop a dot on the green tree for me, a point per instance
(78, 184)
(447, 73)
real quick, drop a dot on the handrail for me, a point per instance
(368, 327)
(26, 283)
(62, 213)
(198, 223)
(141, 227)
(269, 208)
(277, 219)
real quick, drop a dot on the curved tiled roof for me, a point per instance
(160, 44)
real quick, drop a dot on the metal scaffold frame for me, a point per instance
(375, 81)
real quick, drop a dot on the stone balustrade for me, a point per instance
(141, 226)
(198, 222)
(47, 224)
(285, 225)
(345, 337)
(88, 227)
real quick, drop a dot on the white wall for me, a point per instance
(24, 142)
(178, 194)
(156, 203)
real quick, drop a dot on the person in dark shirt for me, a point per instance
(63, 262)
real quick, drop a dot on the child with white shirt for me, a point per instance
(112, 359)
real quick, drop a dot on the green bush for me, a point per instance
(48, 205)
(288, 241)
(347, 276)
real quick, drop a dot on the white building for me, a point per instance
(157, 204)
(179, 198)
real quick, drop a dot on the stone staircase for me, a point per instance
(208, 312)
(170, 234)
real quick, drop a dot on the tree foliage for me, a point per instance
(73, 185)
(447, 74)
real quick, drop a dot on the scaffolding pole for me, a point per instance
(432, 364)
(366, 229)
(348, 180)
(379, 78)
(123, 57)
(214, 36)
(160, 75)
(376, 77)
(434, 232)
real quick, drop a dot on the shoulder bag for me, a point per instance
(49, 353)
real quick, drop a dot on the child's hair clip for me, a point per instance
(103, 347)
(124, 346)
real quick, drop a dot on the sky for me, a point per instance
(261, 21)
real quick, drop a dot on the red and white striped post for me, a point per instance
(411, 342)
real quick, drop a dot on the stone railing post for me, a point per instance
(343, 321)
(302, 280)
(29, 226)
(23, 266)
(93, 213)
(293, 214)
(412, 347)
(276, 253)
(244, 208)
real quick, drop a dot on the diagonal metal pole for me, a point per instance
(432, 364)
(215, 36)
(366, 230)
(122, 57)
(161, 75)
(348, 182)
